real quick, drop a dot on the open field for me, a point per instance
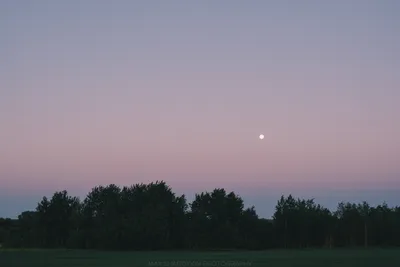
(306, 258)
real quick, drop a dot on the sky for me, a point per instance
(97, 92)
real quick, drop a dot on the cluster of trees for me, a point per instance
(151, 216)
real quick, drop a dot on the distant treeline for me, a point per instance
(152, 217)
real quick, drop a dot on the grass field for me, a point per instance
(306, 258)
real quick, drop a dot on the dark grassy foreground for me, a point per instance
(306, 258)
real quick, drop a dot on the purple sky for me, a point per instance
(96, 92)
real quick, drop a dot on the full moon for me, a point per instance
(261, 136)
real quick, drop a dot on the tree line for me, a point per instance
(152, 217)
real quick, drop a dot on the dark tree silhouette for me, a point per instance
(152, 217)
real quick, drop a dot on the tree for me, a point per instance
(151, 216)
(54, 218)
(365, 211)
(215, 218)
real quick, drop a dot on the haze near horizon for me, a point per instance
(124, 92)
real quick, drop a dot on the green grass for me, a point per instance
(279, 258)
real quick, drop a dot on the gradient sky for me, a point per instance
(97, 92)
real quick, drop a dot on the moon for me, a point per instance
(261, 137)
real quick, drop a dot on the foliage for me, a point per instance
(152, 217)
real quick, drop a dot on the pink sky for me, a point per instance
(91, 94)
